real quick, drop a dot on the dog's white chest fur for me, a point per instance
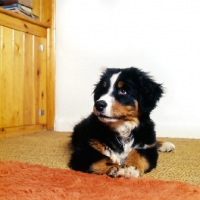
(119, 158)
(125, 129)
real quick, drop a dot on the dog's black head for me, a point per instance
(125, 94)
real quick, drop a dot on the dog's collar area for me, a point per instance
(123, 140)
(145, 146)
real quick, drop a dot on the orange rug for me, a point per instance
(26, 181)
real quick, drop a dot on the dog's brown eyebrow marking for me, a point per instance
(104, 84)
(120, 84)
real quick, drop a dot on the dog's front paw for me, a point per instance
(124, 171)
(166, 147)
(115, 159)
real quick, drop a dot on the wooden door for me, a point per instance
(22, 79)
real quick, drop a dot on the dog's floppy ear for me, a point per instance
(149, 92)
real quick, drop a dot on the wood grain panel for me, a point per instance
(7, 77)
(51, 70)
(24, 18)
(1, 73)
(45, 11)
(41, 77)
(19, 24)
(29, 101)
(23, 79)
(25, 70)
(35, 80)
(18, 78)
(36, 8)
(36, 77)
(43, 8)
(21, 130)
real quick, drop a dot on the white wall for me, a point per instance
(161, 37)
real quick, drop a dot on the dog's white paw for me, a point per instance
(124, 171)
(166, 147)
(128, 172)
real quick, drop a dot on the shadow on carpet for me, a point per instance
(26, 181)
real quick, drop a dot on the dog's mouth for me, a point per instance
(111, 117)
(107, 118)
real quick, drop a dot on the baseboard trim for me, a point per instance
(170, 130)
(178, 131)
(21, 130)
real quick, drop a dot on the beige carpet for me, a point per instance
(50, 149)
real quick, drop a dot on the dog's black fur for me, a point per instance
(98, 139)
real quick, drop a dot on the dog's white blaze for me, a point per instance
(108, 98)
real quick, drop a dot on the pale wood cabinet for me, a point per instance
(27, 66)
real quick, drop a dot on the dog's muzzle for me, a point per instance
(103, 113)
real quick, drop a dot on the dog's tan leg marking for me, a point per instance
(103, 149)
(165, 146)
(136, 160)
(98, 146)
(105, 166)
(102, 166)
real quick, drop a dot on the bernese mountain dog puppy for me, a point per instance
(118, 138)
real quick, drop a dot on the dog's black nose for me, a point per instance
(100, 105)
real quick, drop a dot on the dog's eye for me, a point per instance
(122, 91)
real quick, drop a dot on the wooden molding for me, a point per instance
(21, 130)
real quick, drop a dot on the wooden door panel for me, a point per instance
(9, 110)
(40, 60)
(29, 99)
(22, 78)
